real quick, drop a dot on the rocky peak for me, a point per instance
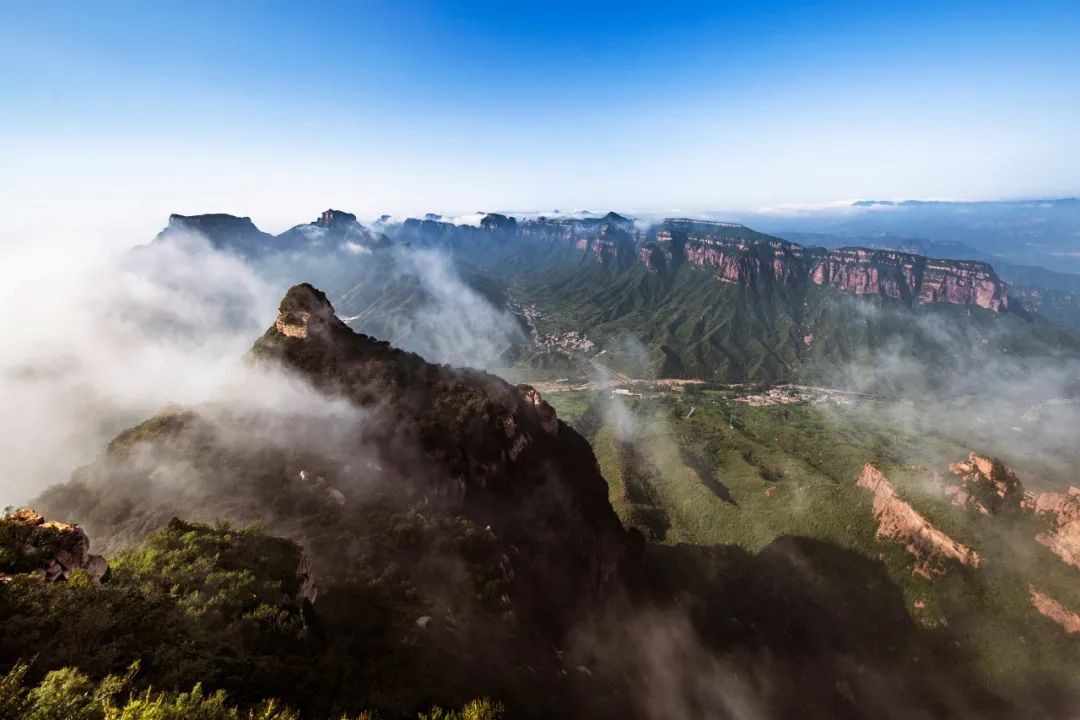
(304, 310)
(335, 218)
(212, 223)
(495, 221)
(986, 484)
(224, 231)
(495, 451)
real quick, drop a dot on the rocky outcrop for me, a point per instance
(962, 282)
(900, 522)
(986, 485)
(738, 255)
(870, 272)
(1063, 512)
(51, 549)
(303, 311)
(1052, 609)
(335, 219)
(496, 452)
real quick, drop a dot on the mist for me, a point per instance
(99, 340)
(999, 390)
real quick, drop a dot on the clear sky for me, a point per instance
(114, 114)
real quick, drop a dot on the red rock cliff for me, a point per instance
(739, 255)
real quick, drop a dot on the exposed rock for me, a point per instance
(302, 308)
(986, 485)
(549, 421)
(739, 255)
(900, 522)
(1051, 608)
(335, 218)
(54, 549)
(1063, 511)
(962, 282)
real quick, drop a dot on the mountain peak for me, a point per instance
(303, 309)
(221, 229)
(333, 218)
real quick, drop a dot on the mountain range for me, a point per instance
(418, 535)
(729, 475)
(678, 298)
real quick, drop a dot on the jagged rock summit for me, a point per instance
(303, 308)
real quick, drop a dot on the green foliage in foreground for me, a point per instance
(68, 694)
(193, 603)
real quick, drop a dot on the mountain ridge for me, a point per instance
(736, 252)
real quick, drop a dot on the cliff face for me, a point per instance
(903, 276)
(738, 255)
(962, 282)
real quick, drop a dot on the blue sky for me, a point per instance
(116, 114)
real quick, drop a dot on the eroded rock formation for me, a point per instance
(900, 522)
(1063, 512)
(1051, 608)
(986, 485)
(51, 549)
(739, 255)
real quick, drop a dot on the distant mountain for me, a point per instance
(1055, 295)
(682, 297)
(1045, 233)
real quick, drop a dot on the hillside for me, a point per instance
(428, 535)
(470, 525)
(893, 524)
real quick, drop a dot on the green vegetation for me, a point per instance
(68, 694)
(220, 611)
(733, 475)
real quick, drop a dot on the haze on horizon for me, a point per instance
(119, 114)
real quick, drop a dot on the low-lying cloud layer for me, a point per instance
(96, 342)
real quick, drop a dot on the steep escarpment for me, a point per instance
(1050, 608)
(739, 255)
(223, 231)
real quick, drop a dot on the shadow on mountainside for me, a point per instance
(808, 629)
